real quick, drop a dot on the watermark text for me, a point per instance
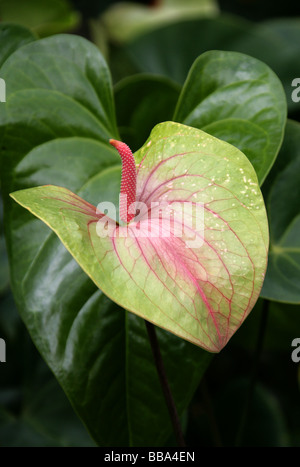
(2, 90)
(2, 351)
(296, 352)
(184, 220)
(296, 92)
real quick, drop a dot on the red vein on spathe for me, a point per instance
(193, 338)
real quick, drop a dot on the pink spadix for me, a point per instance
(128, 181)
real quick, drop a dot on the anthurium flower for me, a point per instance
(189, 251)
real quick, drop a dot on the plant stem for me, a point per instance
(253, 375)
(164, 383)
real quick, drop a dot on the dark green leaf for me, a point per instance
(12, 37)
(283, 57)
(47, 419)
(275, 42)
(154, 51)
(239, 99)
(265, 426)
(283, 321)
(282, 281)
(142, 101)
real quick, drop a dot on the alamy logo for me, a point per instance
(2, 90)
(296, 353)
(295, 94)
(2, 351)
(159, 220)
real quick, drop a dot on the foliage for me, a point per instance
(221, 75)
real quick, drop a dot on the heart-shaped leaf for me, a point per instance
(283, 202)
(197, 273)
(238, 99)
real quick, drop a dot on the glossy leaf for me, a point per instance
(12, 37)
(283, 202)
(238, 99)
(34, 411)
(197, 280)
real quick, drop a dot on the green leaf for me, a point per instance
(284, 33)
(274, 42)
(47, 419)
(55, 128)
(283, 275)
(282, 321)
(69, 76)
(238, 99)
(12, 37)
(68, 66)
(54, 17)
(153, 52)
(142, 101)
(197, 281)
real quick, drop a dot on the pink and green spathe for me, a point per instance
(201, 291)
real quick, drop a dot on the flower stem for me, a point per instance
(164, 383)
